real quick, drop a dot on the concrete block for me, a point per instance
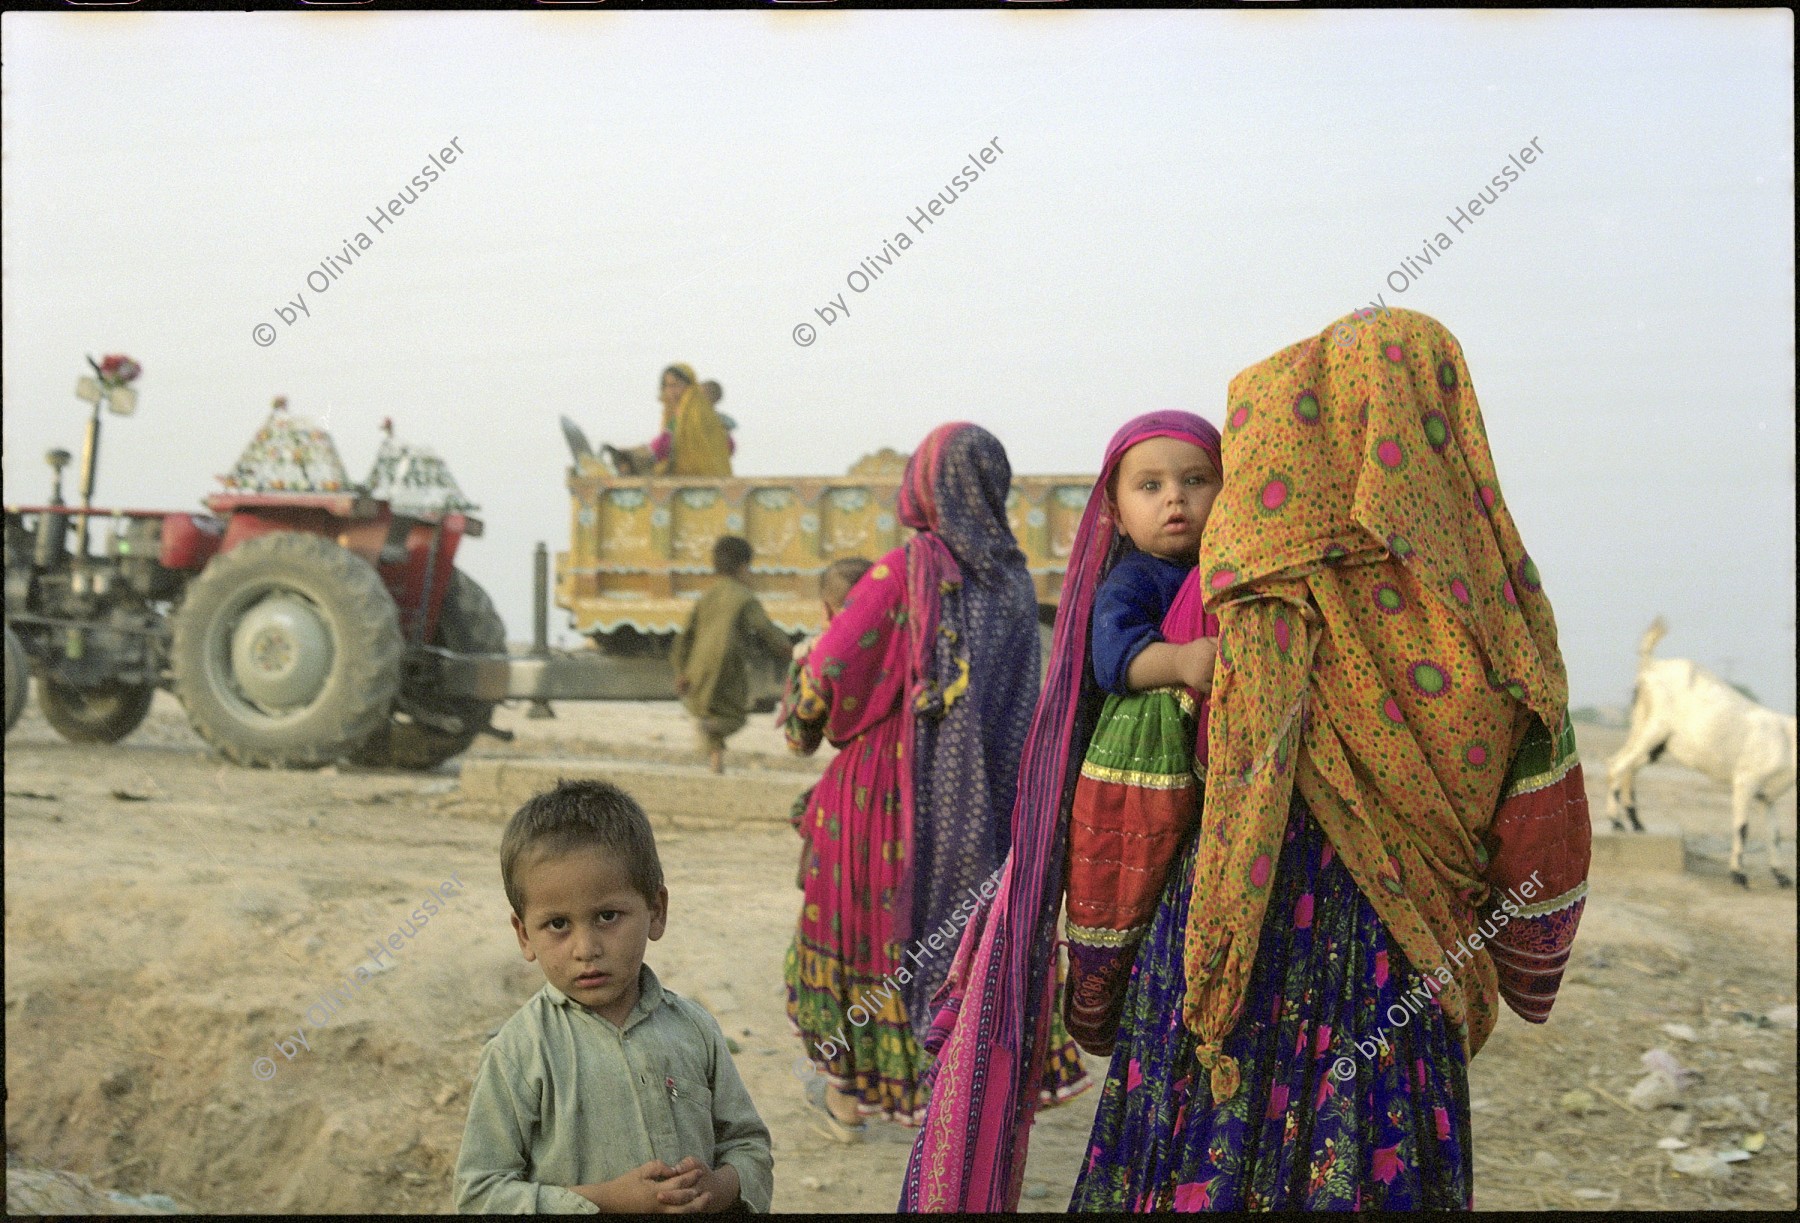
(675, 796)
(1643, 851)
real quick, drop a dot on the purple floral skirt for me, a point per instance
(1352, 1099)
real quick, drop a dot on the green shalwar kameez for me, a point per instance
(726, 624)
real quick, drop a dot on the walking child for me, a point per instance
(726, 628)
(605, 1091)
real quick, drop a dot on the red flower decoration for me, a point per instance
(117, 369)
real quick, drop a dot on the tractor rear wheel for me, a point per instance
(287, 651)
(94, 715)
(468, 624)
(18, 677)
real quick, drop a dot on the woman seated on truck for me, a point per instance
(694, 440)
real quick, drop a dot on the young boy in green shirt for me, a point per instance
(726, 624)
(605, 1092)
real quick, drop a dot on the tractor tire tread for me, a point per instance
(369, 617)
(65, 709)
(18, 678)
(468, 624)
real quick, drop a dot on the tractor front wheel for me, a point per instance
(468, 624)
(287, 652)
(93, 715)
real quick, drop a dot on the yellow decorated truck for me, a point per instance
(640, 548)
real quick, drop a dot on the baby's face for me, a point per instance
(586, 926)
(1166, 488)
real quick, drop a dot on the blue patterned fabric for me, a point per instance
(1355, 1091)
(965, 752)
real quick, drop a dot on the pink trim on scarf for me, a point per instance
(971, 1148)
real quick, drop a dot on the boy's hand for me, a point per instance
(1194, 663)
(642, 1190)
(803, 647)
(717, 1187)
(682, 685)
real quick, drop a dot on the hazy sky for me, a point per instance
(1177, 195)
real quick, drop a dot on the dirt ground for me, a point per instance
(169, 919)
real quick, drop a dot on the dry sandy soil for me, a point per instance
(170, 918)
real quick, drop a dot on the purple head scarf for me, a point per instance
(992, 1033)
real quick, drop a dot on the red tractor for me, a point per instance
(303, 620)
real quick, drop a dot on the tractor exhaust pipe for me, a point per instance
(540, 619)
(540, 600)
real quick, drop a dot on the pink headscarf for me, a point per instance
(992, 1033)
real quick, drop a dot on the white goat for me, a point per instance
(1704, 723)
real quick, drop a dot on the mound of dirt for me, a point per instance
(176, 926)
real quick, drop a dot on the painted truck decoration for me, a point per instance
(640, 549)
(307, 618)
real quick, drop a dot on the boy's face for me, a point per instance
(1166, 488)
(586, 926)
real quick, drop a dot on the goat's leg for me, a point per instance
(1641, 744)
(1621, 793)
(1630, 792)
(1613, 786)
(1774, 821)
(1740, 829)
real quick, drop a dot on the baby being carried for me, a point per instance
(1152, 648)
